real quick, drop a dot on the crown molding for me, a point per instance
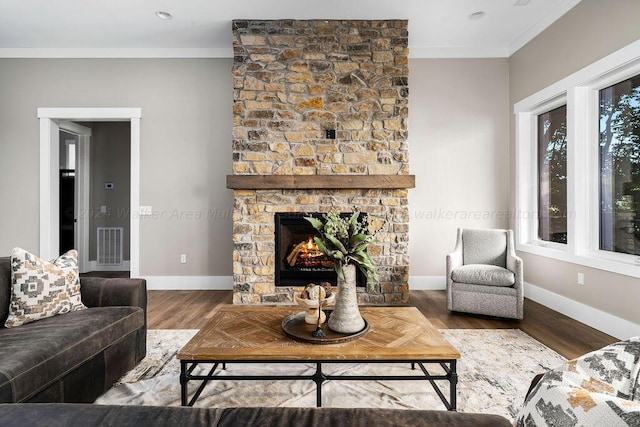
(113, 53)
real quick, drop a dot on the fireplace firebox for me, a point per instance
(298, 261)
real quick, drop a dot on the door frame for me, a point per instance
(49, 181)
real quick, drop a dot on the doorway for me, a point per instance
(50, 120)
(94, 195)
(69, 209)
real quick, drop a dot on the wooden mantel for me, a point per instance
(308, 182)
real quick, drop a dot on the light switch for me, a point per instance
(146, 211)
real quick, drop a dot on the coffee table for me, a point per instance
(253, 334)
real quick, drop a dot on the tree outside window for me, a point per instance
(552, 175)
(620, 167)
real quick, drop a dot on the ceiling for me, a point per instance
(202, 28)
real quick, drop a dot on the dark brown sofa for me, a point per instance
(138, 416)
(73, 357)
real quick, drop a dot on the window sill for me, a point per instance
(626, 265)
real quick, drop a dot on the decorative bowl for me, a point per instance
(311, 306)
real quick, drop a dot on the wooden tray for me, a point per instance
(295, 327)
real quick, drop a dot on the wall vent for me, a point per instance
(110, 245)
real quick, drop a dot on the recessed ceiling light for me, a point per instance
(521, 2)
(477, 15)
(164, 15)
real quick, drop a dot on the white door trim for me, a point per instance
(49, 182)
(49, 233)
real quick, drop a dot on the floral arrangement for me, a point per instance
(344, 240)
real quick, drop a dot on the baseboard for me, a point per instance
(191, 283)
(427, 283)
(598, 319)
(94, 266)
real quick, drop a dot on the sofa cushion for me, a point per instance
(481, 246)
(595, 389)
(616, 365)
(134, 416)
(36, 354)
(559, 405)
(478, 274)
(41, 289)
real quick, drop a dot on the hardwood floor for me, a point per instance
(568, 337)
(183, 309)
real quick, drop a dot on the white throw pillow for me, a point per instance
(41, 289)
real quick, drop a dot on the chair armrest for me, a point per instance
(455, 259)
(110, 292)
(107, 292)
(514, 262)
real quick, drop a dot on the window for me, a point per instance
(578, 166)
(620, 167)
(552, 175)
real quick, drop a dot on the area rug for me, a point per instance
(495, 371)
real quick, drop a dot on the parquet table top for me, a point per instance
(254, 333)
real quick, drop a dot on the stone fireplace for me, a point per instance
(298, 261)
(320, 124)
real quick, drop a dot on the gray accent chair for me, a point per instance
(484, 274)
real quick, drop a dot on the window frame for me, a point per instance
(544, 108)
(580, 93)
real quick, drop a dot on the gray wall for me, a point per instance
(185, 150)
(590, 31)
(459, 152)
(110, 155)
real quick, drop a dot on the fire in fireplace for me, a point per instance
(307, 255)
(298, 260)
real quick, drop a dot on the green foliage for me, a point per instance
(620, 166)
(345, 240)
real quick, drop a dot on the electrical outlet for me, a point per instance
(330, 134)
(580, 278)
(183, 259)
(146, 210)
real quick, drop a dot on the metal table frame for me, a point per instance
(449, 365)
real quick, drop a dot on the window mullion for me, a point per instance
(526, 178)
(579, 169)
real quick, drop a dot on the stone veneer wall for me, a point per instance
(293, 80)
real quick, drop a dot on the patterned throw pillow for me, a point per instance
(41, 289)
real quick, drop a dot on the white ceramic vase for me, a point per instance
(346, 318)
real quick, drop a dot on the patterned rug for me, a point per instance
(495, 371)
